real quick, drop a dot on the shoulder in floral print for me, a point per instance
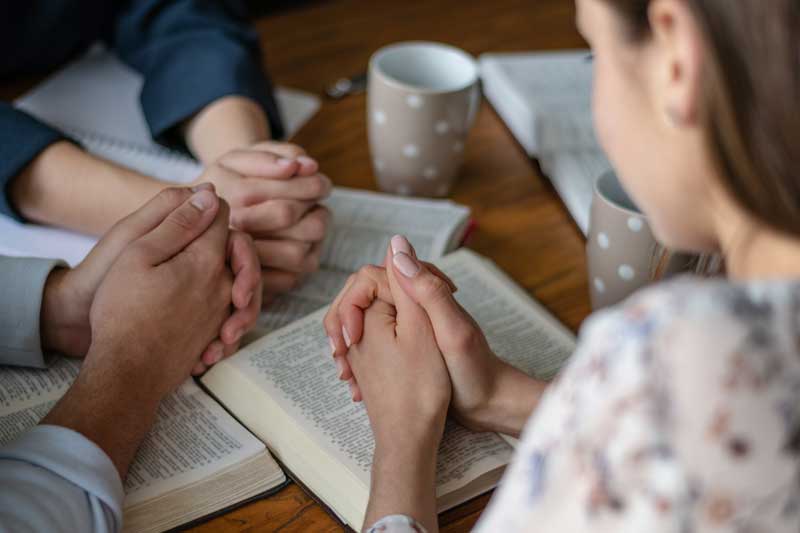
(680, 411)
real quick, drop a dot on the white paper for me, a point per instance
(96, 100)
(192, 438)
(294, 368)
(545, 99)
(363, 224)
(573, 173)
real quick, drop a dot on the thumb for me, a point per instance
(405, 275)
(181, 227)
(431, 292)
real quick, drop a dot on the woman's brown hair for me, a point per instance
(751, 98)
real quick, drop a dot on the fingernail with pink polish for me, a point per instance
(405, 264)
(346, 336)
(339, 367)
(284, 162)
(333, 345)
(400, 245)
(305, 160)
(203, 200)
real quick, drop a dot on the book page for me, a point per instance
(363, 224)
(517, 328)
(294, 367)
(551, 90)
(573, 173)
(193, 436)
(285, 388)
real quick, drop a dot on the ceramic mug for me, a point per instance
(621, 249)
(422, 98)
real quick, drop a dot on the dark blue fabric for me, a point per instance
(22, 137)
(190, 52)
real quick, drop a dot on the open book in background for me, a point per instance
(545, 100)
(285, 389)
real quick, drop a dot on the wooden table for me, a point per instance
(522, 224)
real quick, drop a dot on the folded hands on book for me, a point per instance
(166, 271)
(488, 393)
(274, 190)
(79, 304)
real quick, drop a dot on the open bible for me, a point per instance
(197, 459)
(284, 388)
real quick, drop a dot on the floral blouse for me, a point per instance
(679, 412)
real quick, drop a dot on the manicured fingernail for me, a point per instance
(284, 162)
(339, 366)
(346, 336)
(327, 181)
(333, 345)
(400, 245)
(352, 391)
(304, 159)
(203, 200)
(203, 187)
(405, 264)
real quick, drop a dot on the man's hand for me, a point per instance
(274, 191)
(69, 294)
(163, 300)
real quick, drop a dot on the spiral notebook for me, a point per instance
(95, 100)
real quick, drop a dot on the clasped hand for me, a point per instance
(170, 289)
(274, 190)
(403, 341)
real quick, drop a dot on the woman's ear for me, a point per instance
(678, 61)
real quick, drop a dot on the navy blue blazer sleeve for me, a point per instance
(22, 138)
(192, 52)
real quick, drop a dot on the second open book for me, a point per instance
(284, 388)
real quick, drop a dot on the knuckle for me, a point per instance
(318, 225)
(183, 219)
(173, 195)
(294, 150)
(284, 214)
(434, 288)
(296, 253)
(465, 338)
(316, 186)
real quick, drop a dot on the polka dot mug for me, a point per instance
(422, 98)
(621, 249)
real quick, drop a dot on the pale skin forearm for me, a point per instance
(227, 124)
(66, 186)
(515, 397)
(404, 480)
